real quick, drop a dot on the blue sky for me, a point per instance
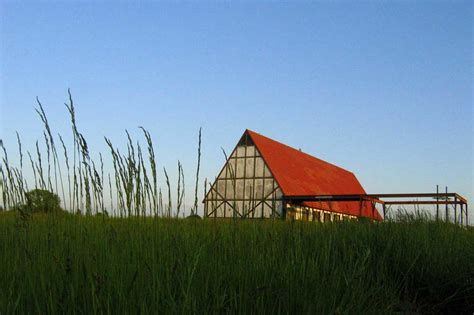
(382, 89)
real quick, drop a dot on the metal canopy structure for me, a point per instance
(447, 199)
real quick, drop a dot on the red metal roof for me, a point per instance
(298, 173)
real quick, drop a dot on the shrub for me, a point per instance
(40, 200)
(193, 217)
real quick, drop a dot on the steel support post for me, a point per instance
(446, 217)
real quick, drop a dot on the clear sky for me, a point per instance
(382, 89)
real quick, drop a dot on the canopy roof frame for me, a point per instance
(437, 199)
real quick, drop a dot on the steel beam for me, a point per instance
(423, 202)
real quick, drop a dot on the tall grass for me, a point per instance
(194, 210)
(180, 189)
(133, 180)
(89, 265)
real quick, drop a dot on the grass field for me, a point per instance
(76, 264)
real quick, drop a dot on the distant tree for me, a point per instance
(40, 200)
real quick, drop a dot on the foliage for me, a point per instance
(40, 200)
(137, 265)
(193, 217)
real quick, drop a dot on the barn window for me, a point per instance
(327, 217)
(317, 216)
(240, 151)
(306, 214)
(251, 150)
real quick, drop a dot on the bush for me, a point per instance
(193, 217)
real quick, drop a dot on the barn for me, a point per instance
(263, 178)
